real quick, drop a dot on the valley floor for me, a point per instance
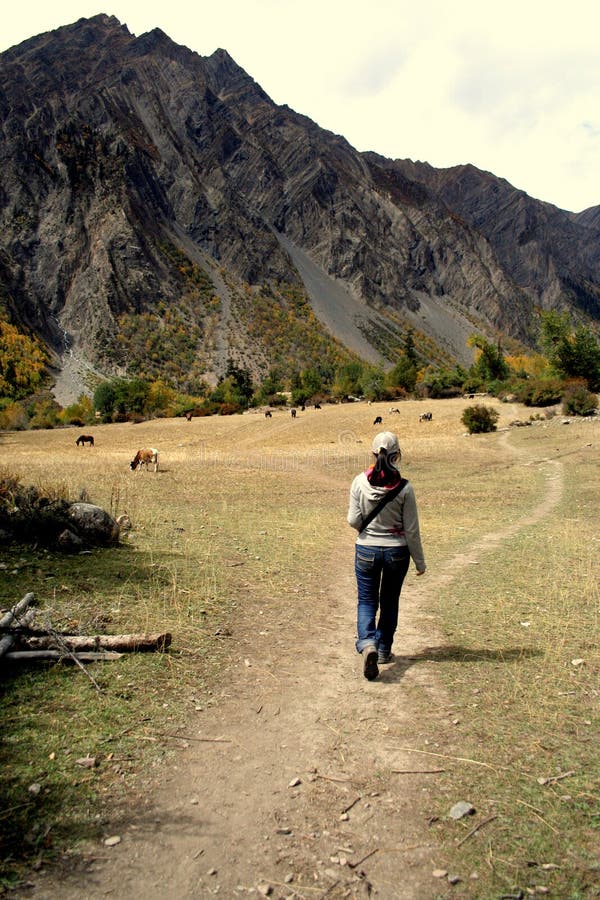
(298, 781)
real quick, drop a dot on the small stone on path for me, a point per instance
(112, 841)
(461, 809)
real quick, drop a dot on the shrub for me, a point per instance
(480, 419)
(229, 409)
(31, 514)
(578, 401)
(13, 417)
(540, 391)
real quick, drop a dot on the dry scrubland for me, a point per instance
(242, 518)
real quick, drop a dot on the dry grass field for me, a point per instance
(240, 549)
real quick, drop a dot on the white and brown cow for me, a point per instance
(145, 458)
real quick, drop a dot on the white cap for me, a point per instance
(387, 441)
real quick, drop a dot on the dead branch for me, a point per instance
(476, 829)
(554, 778)
(350, 805)
(336, 780)
(417, 771)
(362, 859)
(475, 762)
(187, 737)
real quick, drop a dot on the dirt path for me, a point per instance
(287, 788)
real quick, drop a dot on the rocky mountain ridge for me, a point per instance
(130, 162)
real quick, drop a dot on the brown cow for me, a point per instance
(145, 458)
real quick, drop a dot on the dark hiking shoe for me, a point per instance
(383, 658)
(370, 669)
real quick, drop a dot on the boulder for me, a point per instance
(69, 541)
(93, 524)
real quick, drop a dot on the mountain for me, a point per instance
(157, 206)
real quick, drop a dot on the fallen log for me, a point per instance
(83, 656)
(18, 609)
(13, 635)
(19, 615)
(123, 643)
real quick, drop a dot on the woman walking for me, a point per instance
(383, 509)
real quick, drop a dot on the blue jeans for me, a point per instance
(380, 573)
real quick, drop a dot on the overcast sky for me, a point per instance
(513, 88)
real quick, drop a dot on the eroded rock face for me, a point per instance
(117, 148)
(93, 525)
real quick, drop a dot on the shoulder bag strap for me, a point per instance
(377, 509)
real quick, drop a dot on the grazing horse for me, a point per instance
(84, 439)
(145, 458)
(378, 421)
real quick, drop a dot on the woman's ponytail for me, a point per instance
(384, 471)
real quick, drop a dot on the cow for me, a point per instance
(84, 439)
(394, 409)
(145, 458)
(188, 415)
(378, 421)
(268, 414)
(426, 417)
(317, 406)
(293, 411)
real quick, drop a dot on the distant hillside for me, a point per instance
(157, 209)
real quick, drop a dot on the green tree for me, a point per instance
(347, 379)
(409, 349)
(439, 383)
(490, 364)
(372, 383)
(271, 385)
(104, 398)
(555, 328)
(312, 382)
(404, 374)
(579, 357)
(572, 353)
(241, 385)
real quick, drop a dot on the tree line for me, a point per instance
(566, 368)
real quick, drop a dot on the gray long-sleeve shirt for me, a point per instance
(397, 524)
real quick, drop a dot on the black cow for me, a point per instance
(293, 411)
(378, 421)
(426, 417)
(268, 415)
